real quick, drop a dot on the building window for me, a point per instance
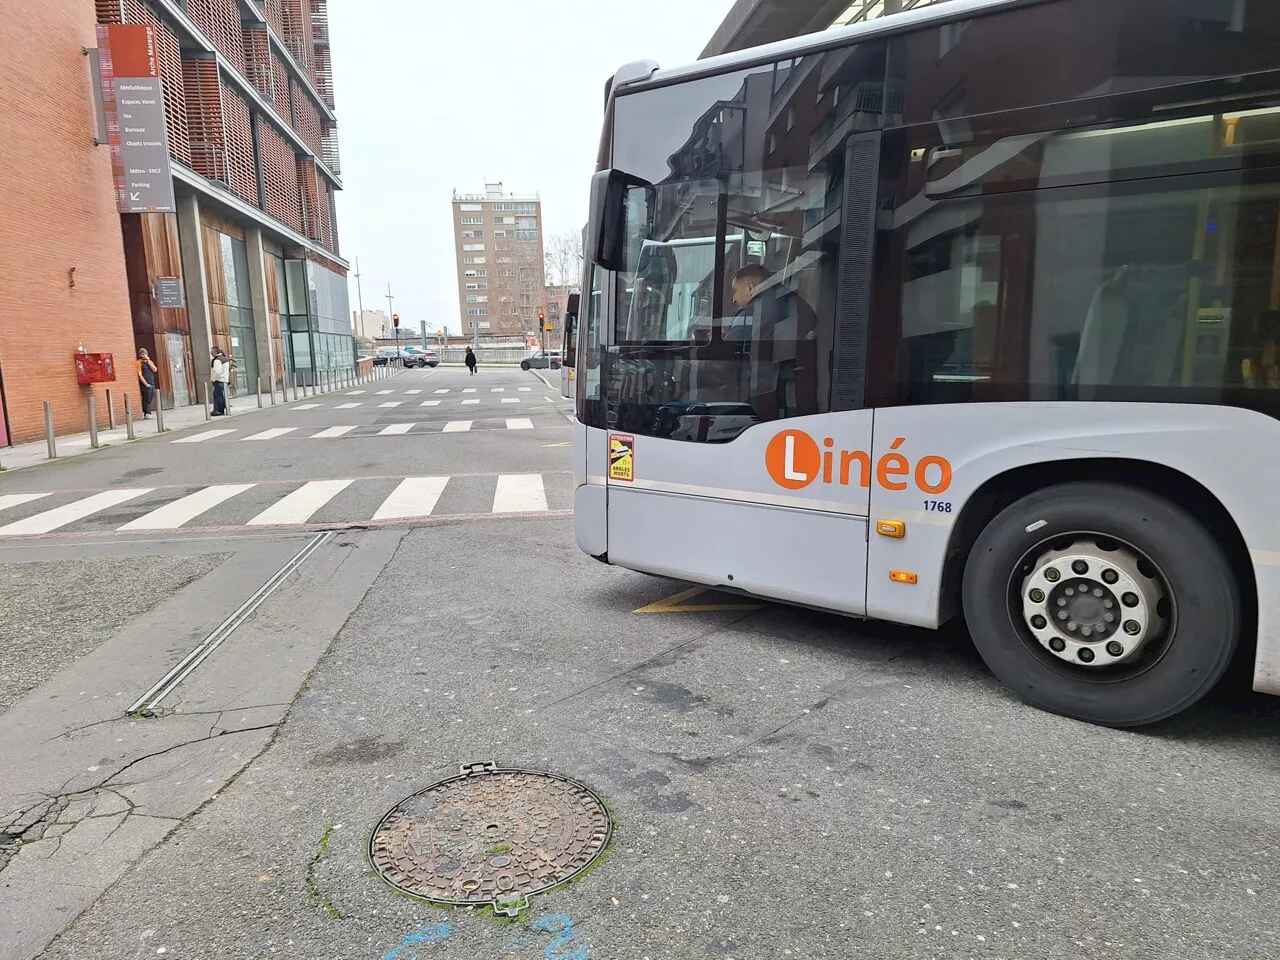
(500, 233)
(791, 117)
(526, 234)
(477, 311)
(470, 207)
(473, 247)
(473, 221)
(477, 286)
(473, 259)
(473, 234)
(504, 220)
(527, 223)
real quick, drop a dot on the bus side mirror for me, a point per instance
(607, 225)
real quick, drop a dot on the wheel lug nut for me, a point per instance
(1129, 599)
(1057, 645)
(1036, 595)
(1070, 591)
(1132, 627)
(1039, 622)
(1110, 576)
(1072, 626)
(1087, 632)
(1062, 602)
(1052, 575)
(1080, 567)
(1085, 654)
(1062, 614)
(1115, 648)
(1108, 604)
(1109, 617)
(1097, 591)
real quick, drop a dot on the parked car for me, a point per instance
(541, 360)
(384, 356)
(418, 356)
(713, 422)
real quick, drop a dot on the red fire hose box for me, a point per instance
(95, 368)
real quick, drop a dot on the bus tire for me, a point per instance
(1166, 570)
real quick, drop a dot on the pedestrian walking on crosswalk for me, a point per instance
(471, 361)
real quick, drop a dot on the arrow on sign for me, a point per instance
(135, 196)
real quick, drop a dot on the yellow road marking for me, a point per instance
(676, 604)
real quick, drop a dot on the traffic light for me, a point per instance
(395, 319)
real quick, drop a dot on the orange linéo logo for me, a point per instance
(795, 460)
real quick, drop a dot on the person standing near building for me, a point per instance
(471, 361)
(146, 382)
(220, 375)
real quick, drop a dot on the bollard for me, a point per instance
(48, 430)
(273, 389)
(206, 399)
(128, 418)
(259, 393)
(159, 412)
(111, 410)
(297, 377)
(93, 423)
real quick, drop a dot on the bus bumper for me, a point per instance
(591, 518)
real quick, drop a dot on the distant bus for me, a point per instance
(968, 311)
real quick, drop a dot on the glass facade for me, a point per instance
(244, 346)
(315, 320)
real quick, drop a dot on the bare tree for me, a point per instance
(564, 259)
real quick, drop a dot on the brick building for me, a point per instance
(498, 247)
(251, 236)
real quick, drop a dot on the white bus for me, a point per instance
(969, 311)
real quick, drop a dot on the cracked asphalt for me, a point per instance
(784, 783)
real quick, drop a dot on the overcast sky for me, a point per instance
(434, 95)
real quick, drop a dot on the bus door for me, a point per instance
(734, 457)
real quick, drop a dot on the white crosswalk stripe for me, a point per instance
(429, 403)
(442, 390)
(391, 403)
(497, 389)
(51, 520)
(510, 399)
(17, 499)
(306, 406)
(414, 497)
(457, 426)
(175, 514)
(282, 503)
(347, 406)
(411, 392)
(201, 437)
(525, 389)
(383, 393)
(470, 401)
(355, 393)
(468, 389)
(272, 433)
(329, 432)
(519, 493)
(520, 423)
(394, 429)
(299, 506)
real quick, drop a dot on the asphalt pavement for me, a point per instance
(783, 783)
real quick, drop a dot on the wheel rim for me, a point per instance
(1097, 604)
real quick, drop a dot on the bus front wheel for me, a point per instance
(1102, 602)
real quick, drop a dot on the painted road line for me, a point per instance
(457, 426)
(391, 403)
(347, 406)
(676, 604)
(328, 432)
(17, 499)
(355, 393)
(524, 389)
(441, 390)
(298, 506)
(470, 401)
(429, 403)
(175, 514)
(414, 497)
(510, 399)
(520, 423)
(497, 389)
(51, 520)
(383, 393)
(201, 437)
(519, 493)
(411, 392)
(468, 389)
(395, 428)
(306, 406)
(272, 433)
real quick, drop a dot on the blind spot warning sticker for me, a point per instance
(622, 458)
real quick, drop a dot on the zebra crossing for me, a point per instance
(354, 430)
(271, 504)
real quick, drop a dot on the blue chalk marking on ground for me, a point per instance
(431, 933)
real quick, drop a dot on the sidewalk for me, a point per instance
(180, 418)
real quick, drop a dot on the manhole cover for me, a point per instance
(490, 837)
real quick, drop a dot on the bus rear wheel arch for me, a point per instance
(1146, 580)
